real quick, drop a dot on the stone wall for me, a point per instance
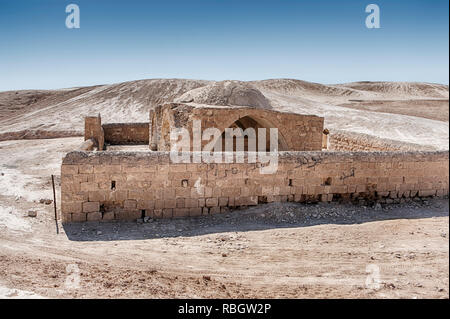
(115, 133)
(128, 185)
(350, 141)
(93, 130)
(37, 135)
(296, 132)
(126, 133)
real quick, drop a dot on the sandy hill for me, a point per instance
(401, 89)
(226, 93)
(409, 112)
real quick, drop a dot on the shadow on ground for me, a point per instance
(270, 216)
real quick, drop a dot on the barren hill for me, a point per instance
(408, 112)
(226, 93)
(399, 89)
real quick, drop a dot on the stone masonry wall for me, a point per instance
(296, 132)
(126, 133)
(128, 185)
(115, 133)
(93, 130)
(350, 141)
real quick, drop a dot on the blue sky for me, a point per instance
(322, 41)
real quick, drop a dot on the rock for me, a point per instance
(207, 278)
(389, 285)
(32, 213)
(377, 206)
(45, 201)
(224, 255)
(99, 232)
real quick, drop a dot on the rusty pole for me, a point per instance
(54, 204)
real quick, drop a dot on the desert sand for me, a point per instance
(271, 251)
(409, 112)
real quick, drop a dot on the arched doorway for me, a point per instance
(250, 122)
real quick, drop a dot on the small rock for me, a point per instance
(207, 278)
(377, 206)
(99, 232)
(32, 213)
(224, 255)
(389, 285)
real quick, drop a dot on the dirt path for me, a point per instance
(289, 253)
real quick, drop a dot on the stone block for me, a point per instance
(129, 204)
(211, 202)
(94, 216)
(90, 207)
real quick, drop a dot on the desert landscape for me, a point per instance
(277, 250)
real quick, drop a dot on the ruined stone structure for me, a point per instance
(296, 132)
(106, 185)
(114, 134)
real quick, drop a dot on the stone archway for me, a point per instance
(249, 121)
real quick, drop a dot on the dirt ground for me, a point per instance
(436, 109)
(271, 251)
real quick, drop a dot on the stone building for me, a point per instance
(296, 132)
(109, 179)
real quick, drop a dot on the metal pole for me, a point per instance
(54, 204)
